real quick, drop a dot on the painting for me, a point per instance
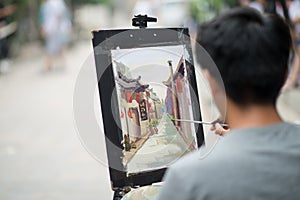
(153, 91)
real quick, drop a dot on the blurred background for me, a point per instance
(43, 46)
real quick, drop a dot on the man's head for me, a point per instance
(251, 52)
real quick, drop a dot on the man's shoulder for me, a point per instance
(245, 154)
(237, 145)
(199, 161)
(295, 126)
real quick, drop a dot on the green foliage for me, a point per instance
(171, 117)
(153, 123)
(203, 10)
(232, 3)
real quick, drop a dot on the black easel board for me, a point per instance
(146, 80)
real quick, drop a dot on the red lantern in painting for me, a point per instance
(149, 105)
(128, 96)
(138, 97)
(130, 114)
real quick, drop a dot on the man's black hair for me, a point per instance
(251, 52)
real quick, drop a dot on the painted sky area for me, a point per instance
(151, 64)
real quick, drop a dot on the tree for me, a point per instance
(203, 10)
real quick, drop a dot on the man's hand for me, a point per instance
(218, 128)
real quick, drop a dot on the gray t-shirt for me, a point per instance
(254, 163)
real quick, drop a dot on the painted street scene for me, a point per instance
(152, 95)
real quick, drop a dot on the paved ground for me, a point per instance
(40, 153)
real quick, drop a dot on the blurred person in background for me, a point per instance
(294, 12)
(5, 31)
(55, 22)
(294, 15)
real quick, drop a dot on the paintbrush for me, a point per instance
(202, 122)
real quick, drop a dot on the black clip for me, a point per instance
(141, 21)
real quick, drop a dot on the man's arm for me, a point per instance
(175, 187)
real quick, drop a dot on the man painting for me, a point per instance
(260, 157)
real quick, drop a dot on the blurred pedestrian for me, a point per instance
(55, 22)
(294, 11)
(5, 31)
(294, 14)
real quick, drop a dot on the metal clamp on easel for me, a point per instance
(141, 21)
